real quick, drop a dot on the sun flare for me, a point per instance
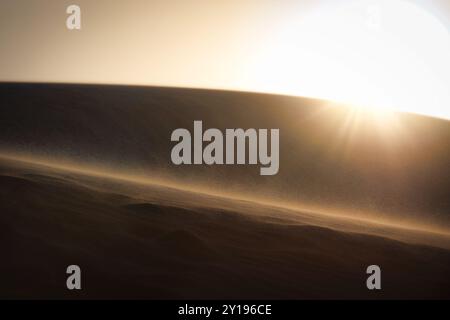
(390, 55)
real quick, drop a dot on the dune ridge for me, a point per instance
(86, 178)
(290, 211)
(188, 247)
(332, 157)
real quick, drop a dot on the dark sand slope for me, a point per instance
(364, 183)
(330, 156)
(151, 247)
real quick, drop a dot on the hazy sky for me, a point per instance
(185, 42)
(365, 51)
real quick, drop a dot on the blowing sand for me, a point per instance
(135, 240)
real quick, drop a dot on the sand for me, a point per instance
(86, 179)
(191, 247)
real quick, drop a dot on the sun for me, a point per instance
(384, 55)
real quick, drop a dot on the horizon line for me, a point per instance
(335, 103)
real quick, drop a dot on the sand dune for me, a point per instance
(85, 178)
(148, 247)
(331, 157)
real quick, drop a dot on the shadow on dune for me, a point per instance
(131, 249)
(330, 156)
(154, 241)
